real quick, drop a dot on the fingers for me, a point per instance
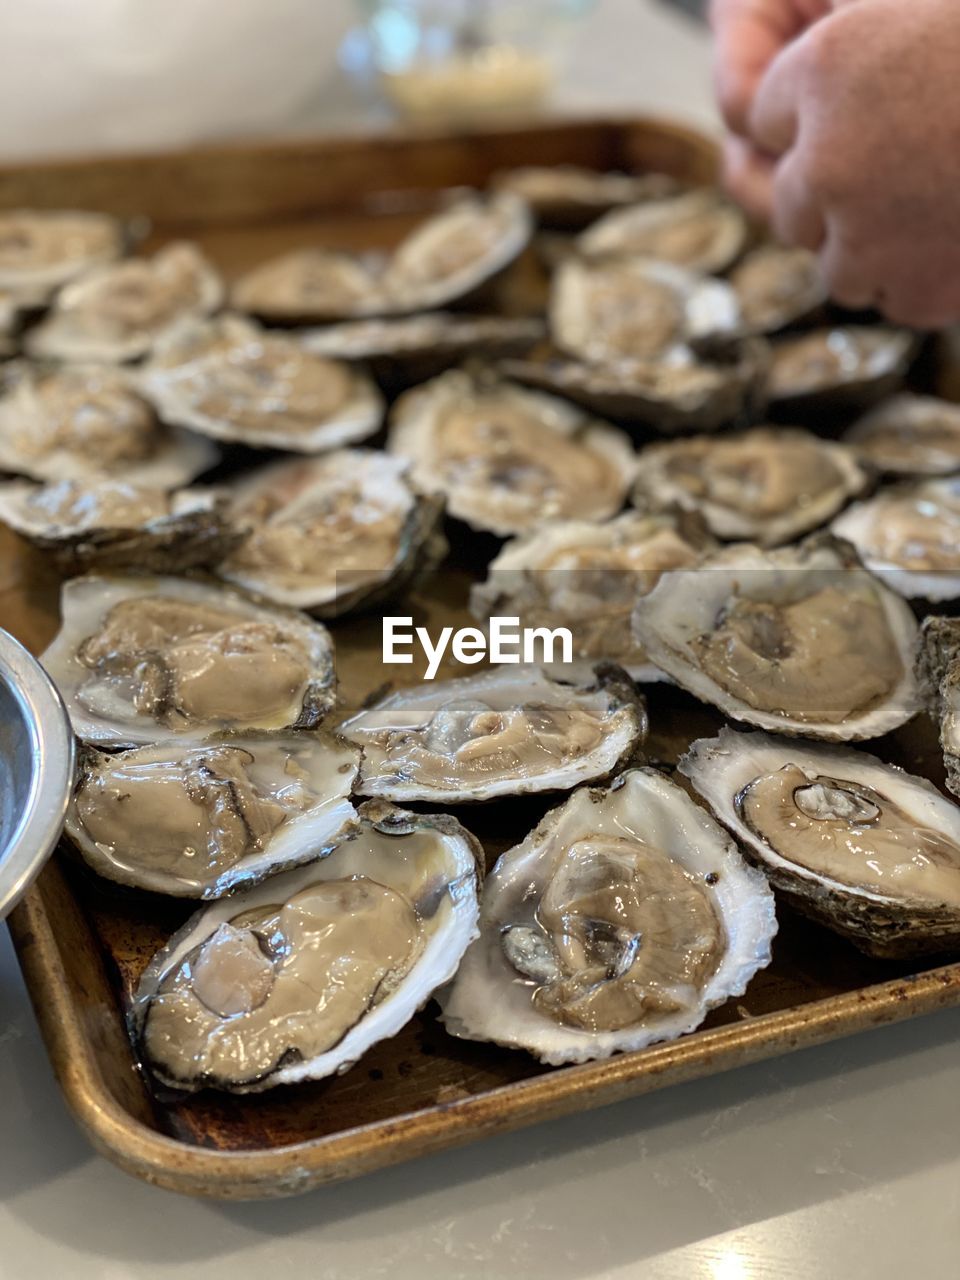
(748, 35)
(796, 215)
(772, 120)
(748, 176)
(848, 280)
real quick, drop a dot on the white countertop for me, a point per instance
(838, 1161)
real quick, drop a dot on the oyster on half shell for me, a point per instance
(109, 524)
(295, 979)
(568, 197)
(119, 311)
(939, 669)
(909, 435)
(198, 820)
(769, 485)
(799, 641)
(587, 576)
(620, 921)
(699, 230)
(141, 659)
(505, 458)
(861, 846)
(777, 287)
(855, 364)
(42, 249)
(229, 379)
(505, 732)
(88, 423)
(328, 534)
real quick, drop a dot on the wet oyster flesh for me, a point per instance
(909, 435)
(40, 250)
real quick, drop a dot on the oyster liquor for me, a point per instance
(503, 641)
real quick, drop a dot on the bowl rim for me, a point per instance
(52, 774)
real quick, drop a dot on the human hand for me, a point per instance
(863, 116)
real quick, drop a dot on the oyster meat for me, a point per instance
(635, 309)
(505, 732)
(777, 287)
(939, 667)
(329, 533)
(699, 230)
(140, 659)
(909, 435)
(852, 364)
(42, 249)
(568, 197)
(505, 458)
(200, 820)
(587, 576)
(909, 535)
(308, 284)
(295, 979)
(684, 391)
(231, 380)
(800, 641)
(768, 485)
(86, 423)
(118, 312)
(112, 524)
(621, 920)
(868, 850)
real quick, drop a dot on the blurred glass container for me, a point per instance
(456, 62)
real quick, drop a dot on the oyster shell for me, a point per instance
(909, 535)
(118, 312)
(142, 659)
(909, 435)
(88, 423)
(700, 231)
(330, 533)
(855, 364)
(777, 287)
(621, 920)
(112, 524)
(505, 732)
(800, 641)
(294, 980)
(449, 257)
(505, 458)
(401, 351)
(861, 846)
(633, 309)
(42, 249)
(229, 379)
(768, 485)
(939, 668)
(200, 820)
(683, 392)
(586, 577)
(568, 197)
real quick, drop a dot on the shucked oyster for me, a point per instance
(634, 309)
(329, 533)
(682, 392)
(568, 197)
(909, 435)
(939, 667)
(506, 459)
(852, 364)
(587, 577)
(231, 380)
(777, 287)
(866, 849)
(620, 921)
(444, 260)
(505, 732)
(700, 231)
(203, 819)
(799, 641)
(769, 484)
(42, 249)
(119, 312)
(112, 524)
(86, 423)
(144, 659)
(295, 979)
(909, 535)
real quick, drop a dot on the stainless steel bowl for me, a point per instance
(36, 769)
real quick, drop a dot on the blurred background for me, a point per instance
(134, 74)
